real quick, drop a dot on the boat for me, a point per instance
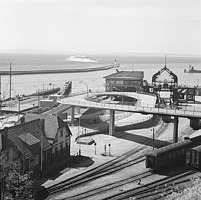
(66, 89)
(192, 70)
(81, 58)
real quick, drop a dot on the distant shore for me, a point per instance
(53, 71)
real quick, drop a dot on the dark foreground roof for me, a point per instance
(25, 135)
(127, 75)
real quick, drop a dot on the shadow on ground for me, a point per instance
(83, 161)
(104, 127)
(141, 139)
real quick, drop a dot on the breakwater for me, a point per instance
(53, 71)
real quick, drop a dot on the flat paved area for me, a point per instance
(121, 143)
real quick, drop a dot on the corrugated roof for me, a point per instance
(131, 75)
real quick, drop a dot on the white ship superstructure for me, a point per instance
(81, 58)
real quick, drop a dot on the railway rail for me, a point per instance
(111, 167)
(108, 187)
(157, 189)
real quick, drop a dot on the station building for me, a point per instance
(124, 81)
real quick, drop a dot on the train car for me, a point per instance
(169, 155)
(173, 154)
(193, 157)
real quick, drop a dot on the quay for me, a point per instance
(127, 91)
(54, 71)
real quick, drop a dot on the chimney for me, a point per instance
(43, 126)
(22, 120)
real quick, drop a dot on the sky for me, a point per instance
(102, 26)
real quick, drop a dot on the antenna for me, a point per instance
(165, 61)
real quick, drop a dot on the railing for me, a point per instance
(139, 109)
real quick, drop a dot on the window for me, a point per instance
(61, 147)
(61, 133)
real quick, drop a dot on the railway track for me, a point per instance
(108, 187)
(127, 160)
(93, 174)
(110, 167)
(158, 189)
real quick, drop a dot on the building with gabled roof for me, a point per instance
(56, 131)
(26, 144)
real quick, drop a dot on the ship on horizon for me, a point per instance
(192, 70)
(81, 58)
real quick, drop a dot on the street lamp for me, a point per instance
(52, 88)
(153, 131)
(86, 86)
(44, 88)
(79, 151)
(37, 94)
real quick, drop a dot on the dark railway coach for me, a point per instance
(173, 154)
(193, 157)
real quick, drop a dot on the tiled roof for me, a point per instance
(130, 75)
(33, 128)
(29, 139)
(52, 123)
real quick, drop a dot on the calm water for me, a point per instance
(25, 84)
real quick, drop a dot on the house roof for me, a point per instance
(127, 75)
(52, 123)
(25, 135)
(28, 138)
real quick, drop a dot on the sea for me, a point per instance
(95, 81)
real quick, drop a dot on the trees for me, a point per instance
(17, 185)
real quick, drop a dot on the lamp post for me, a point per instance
(153, 130)
(86, 86)
(37, 94)
(109, 145)
(78, 136)
(95, 147)
(44, 88)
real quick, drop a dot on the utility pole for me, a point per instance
(10, 79)
(153, 138)
(0, 92)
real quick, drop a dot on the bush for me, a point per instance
(191, 191)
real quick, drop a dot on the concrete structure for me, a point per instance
(127, 81)
(144, 104)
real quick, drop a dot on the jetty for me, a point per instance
(54, 71)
